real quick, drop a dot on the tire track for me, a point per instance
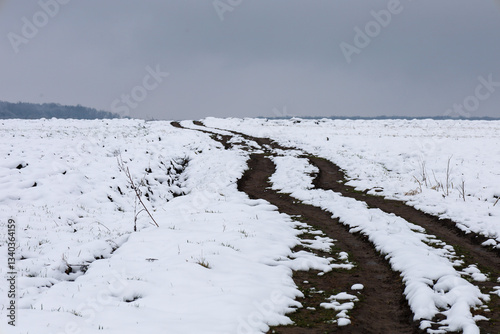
(399, 208)
(382, 307)
(330, 177)
(466, 245)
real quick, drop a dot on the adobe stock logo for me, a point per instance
(31, 28)
(139, 93)
(471, 103)
(222, 7)
(372, 29)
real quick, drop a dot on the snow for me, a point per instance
(342, 302)
(396, 159)
(431, 281)
(219, 262)
(390, 156)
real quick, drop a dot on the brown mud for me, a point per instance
(382, 307)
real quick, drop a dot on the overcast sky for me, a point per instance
(247, 58)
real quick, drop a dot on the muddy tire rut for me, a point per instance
(468, 246)
(382, 307)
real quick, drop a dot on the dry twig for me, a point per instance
(137, 191)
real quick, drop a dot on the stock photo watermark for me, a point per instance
(150, 82)
(31, 27)
(372, 29)
(283, 113)
(263, 309)
(11, 273)
(202, 197)
(225, 6)
(95, 304)
(483, 91)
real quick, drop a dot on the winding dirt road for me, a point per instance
(382, 307)
(383, 310)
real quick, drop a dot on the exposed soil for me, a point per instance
(330, 177)
(382, 307)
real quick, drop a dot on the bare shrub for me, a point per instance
(137, 191)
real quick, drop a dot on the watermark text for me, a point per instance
(11, 273)
(31, 27)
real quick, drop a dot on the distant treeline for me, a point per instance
(49, 110)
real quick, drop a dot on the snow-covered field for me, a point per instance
(220, 262)
(406, 160)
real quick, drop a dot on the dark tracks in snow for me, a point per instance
(330, 177)
(382, 308)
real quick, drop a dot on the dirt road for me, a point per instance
(382, 308)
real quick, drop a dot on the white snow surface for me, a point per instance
(219, 262)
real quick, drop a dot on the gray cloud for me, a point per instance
(263, 55)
